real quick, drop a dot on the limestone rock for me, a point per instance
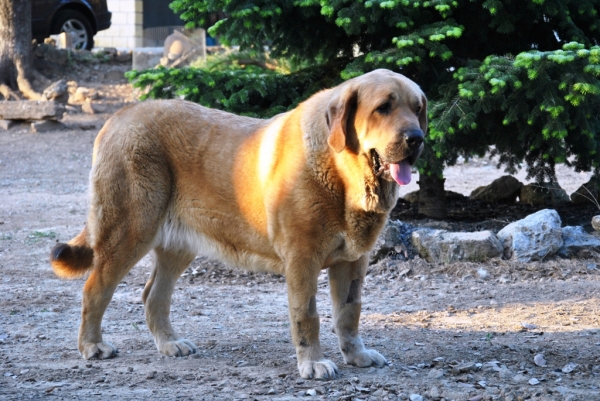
(412, 197)
(587, 193)
(58, 92)
(447, 247)
(5, 125)
(502, 190)
(87, 107)
(544, 194)
(394, 236)
(575, 239)
(533, 238)
(52, 54)
(46, 125)
(82, 94)
(30, 110)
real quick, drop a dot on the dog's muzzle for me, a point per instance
(400, 171)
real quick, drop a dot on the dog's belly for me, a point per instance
(217, 241)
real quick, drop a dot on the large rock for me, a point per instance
(532, 238)
(413, 197)
(52, 54)
(502, 190)
(575, 239)
(394, 237)
(587, 193)
(544, 194)
(30, 110)
(447, 247)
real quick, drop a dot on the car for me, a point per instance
(79, 19)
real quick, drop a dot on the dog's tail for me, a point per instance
(73, 259)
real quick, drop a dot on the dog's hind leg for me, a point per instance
(157, 301)
(97, 293)
(345, 282)
(130, 194)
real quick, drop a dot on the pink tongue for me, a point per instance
(401, 172)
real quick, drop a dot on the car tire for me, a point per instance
(77, 26)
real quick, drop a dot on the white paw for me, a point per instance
(181, 347)
(364, 358)
(320, 370)
(101, 350)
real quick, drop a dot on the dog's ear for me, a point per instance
(337, 118)
(423, 115)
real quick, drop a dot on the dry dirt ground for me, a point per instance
(457, 332)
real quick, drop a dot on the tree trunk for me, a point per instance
(432, 196)
(16, 56)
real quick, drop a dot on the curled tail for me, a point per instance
(73, 259)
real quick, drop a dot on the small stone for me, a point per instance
(80, 95)
(87, 107)
(569, 367)
(6, 124)
(312, 392)
(519, 378)
(24, 371)
(596, 223)
(416, 397)
(533, 381)
(58, 92)
(435, 374)
(434, 393)
(151, 375)
(539, 360)
(463, 368)
(271, 391)
(504, 372)
(482, 273)
(528, 326)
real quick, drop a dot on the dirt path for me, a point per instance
(450, 332)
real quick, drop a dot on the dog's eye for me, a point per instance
(384, 108)
(418, 110)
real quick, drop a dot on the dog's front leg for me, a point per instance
(345, 282)
(304, 320)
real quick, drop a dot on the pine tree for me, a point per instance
(521, 76)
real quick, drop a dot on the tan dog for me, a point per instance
(303, 191)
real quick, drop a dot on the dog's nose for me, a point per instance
(414, 138)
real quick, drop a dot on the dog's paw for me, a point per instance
(320, 370)
(365, 358)
(101, 350)
(181, 347)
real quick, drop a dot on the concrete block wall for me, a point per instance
(126, 30)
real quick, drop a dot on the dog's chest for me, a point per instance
(361, 232)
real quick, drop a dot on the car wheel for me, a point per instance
(76, 26)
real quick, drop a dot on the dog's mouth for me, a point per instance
(399, 172)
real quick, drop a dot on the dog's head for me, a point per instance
(381, 115)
